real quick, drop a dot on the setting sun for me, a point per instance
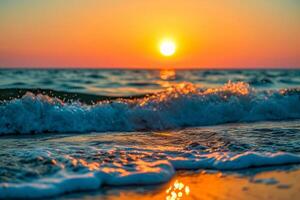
(167, 47)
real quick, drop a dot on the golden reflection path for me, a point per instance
(167, 74)
(224, 186)
(177, 191)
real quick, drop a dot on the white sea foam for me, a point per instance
(152, 172)
(50, 186)
(225, 161)
(149, 173)
(179, 106)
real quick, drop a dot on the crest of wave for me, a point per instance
(179, 106)
(189, 90)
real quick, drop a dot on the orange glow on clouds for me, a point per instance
(95, 33)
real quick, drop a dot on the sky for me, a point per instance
(127, 33)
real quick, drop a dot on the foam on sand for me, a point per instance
(144, 173)
(227, 161)
(63, 182)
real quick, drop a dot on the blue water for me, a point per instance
(133, 82)
(55, 141)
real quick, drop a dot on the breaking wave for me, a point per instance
(181, 105)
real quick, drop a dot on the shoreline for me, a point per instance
(251, 184)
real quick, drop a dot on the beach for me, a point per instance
(262, 184)
(213, 139)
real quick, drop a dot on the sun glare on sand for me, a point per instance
(167, 47)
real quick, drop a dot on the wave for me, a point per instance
(14, 93)
(181, 105)
(144, 173)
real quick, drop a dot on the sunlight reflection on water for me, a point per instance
(167, 74)
(177, 190)
(118, 82)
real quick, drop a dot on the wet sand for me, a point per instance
(251, 184)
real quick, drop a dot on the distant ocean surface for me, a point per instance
(136, 82)
(65, 131)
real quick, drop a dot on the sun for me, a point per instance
(167, 47)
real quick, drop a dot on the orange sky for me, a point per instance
(115, 33)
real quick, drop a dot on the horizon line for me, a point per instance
(152, 68)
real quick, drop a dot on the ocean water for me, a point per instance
(64, 131)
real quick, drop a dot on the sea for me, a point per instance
(66, 131)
